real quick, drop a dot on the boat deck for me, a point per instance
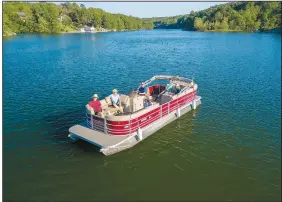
(95, 137)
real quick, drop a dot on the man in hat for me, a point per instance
(115, 98)
(94, 106)
(142, 89)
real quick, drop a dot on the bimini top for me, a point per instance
(175, 79)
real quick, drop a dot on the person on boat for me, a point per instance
(115, 98)
(169, 86)
(177, 89)
(142, 89)
(94, 106)
(148, 101)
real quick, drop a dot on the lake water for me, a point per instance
(227, 149)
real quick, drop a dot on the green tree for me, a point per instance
(218, 16)
(74, 16)
(42, 26)
(199, 25)
(224, 25)
(51, 17)
(120, 25)
(238, 16)
(95, 16)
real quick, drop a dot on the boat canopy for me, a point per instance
(175, 79)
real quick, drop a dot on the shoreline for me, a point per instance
(10, 34)
(103, 31)
(93, 32)
(72, 32)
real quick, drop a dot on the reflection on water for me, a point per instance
(227, 149)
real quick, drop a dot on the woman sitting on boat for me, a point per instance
(94, 106)
(115, 98)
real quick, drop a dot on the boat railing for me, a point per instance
(95, 122)
(128, 127)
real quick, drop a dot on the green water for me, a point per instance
(227, 149)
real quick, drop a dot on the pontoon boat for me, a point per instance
(120, 131)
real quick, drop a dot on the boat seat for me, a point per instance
(109, 109)
(104, 104)
(166, 98)
(124, 99)
(108, 100)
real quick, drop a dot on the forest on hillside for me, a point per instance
(21, 17)
(237, 16)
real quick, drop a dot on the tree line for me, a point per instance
(164, 22)
(237, 16)
(21, 17)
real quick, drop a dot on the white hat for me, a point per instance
(177, 85)
(115, 91)
(95, 95)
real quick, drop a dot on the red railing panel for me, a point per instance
(130, 126)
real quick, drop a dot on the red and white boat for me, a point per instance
(120, 131)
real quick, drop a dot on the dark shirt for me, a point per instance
(177, 91)
(142, 90)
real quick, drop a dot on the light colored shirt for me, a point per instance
(169, 87)
(115, 99)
